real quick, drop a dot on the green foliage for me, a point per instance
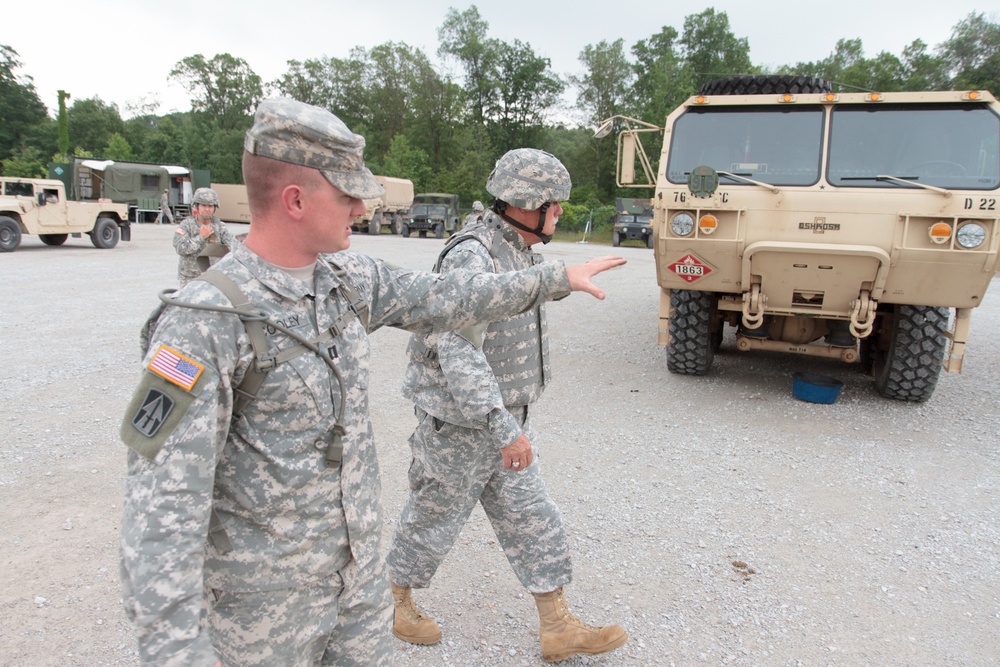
(63, 125)
(407, 161)
(20, 107)
(973, 54)
(224, 88)
(118, 148)
(91, 123)
(25, 163)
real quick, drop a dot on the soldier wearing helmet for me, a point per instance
(475, 216)
(473, 390)
(201, 238)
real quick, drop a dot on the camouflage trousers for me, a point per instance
(345, 621)
(453, 468)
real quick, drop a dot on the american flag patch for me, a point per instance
(174, 367)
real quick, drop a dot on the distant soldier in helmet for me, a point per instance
(201, 238)
(475, 216)
(473, 389)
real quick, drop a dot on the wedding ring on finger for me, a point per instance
(516, 464)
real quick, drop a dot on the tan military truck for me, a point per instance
(39, 206)
(858, 226)
(389, 210)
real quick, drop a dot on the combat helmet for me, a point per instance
(528, 178)
(477, 206)
(206, 196)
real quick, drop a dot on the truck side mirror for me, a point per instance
(41, 199)
(627, 160)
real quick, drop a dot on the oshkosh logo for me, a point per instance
(820, 227)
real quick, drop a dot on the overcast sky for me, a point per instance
(123, 51)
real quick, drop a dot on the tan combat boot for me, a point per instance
(410, 623)
(563, 634)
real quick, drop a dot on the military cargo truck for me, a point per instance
(39, 206)
(858, 226)
(389, 210)
(432, 211)
(138, 184)
(233, 203)
(633, 218)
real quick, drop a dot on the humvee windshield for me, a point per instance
(429, 210)
(949, 146)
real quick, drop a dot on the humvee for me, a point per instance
(39, 206)
(860, 226)
(632, 222)
(432, 211)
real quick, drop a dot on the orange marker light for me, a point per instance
(940, 232)
(708, 224)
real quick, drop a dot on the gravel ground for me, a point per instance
(718, 519)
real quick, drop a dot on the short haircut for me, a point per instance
(265, 178)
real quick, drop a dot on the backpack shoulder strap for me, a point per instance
(247, 391)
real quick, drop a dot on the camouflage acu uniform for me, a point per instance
(470, 402)
(165, 211)
(303, 576)
(471, 219)
(189, 244)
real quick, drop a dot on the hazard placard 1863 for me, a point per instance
(690, 268)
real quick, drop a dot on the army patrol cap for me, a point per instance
(302, 134)
(206, 196)
(527, 178)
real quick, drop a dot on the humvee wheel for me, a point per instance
(908, 368)
(766, 85)
(53, 239)
(405, 231)
(649, 241)
(615, 239)
(105, 234)
(439, 231)
(692, 338)
(10, 234)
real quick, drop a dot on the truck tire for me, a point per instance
(908, 368)
(394, 225)
(405, 231)
(649, 241)
(766, 85)
(692, 338)
(615, 240)
(53, 239)
(105, 234)
(439, 230)
(10, 234)
(375, 225)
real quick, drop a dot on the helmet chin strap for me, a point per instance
(500, 208)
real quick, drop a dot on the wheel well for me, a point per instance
(16, 217)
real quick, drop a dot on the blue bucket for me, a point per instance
(815, 388)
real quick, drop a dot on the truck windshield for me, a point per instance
(775, 145)
(948, 146)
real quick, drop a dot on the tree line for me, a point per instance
(445, 134)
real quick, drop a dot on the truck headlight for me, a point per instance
(682, 224)
(971, 235)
